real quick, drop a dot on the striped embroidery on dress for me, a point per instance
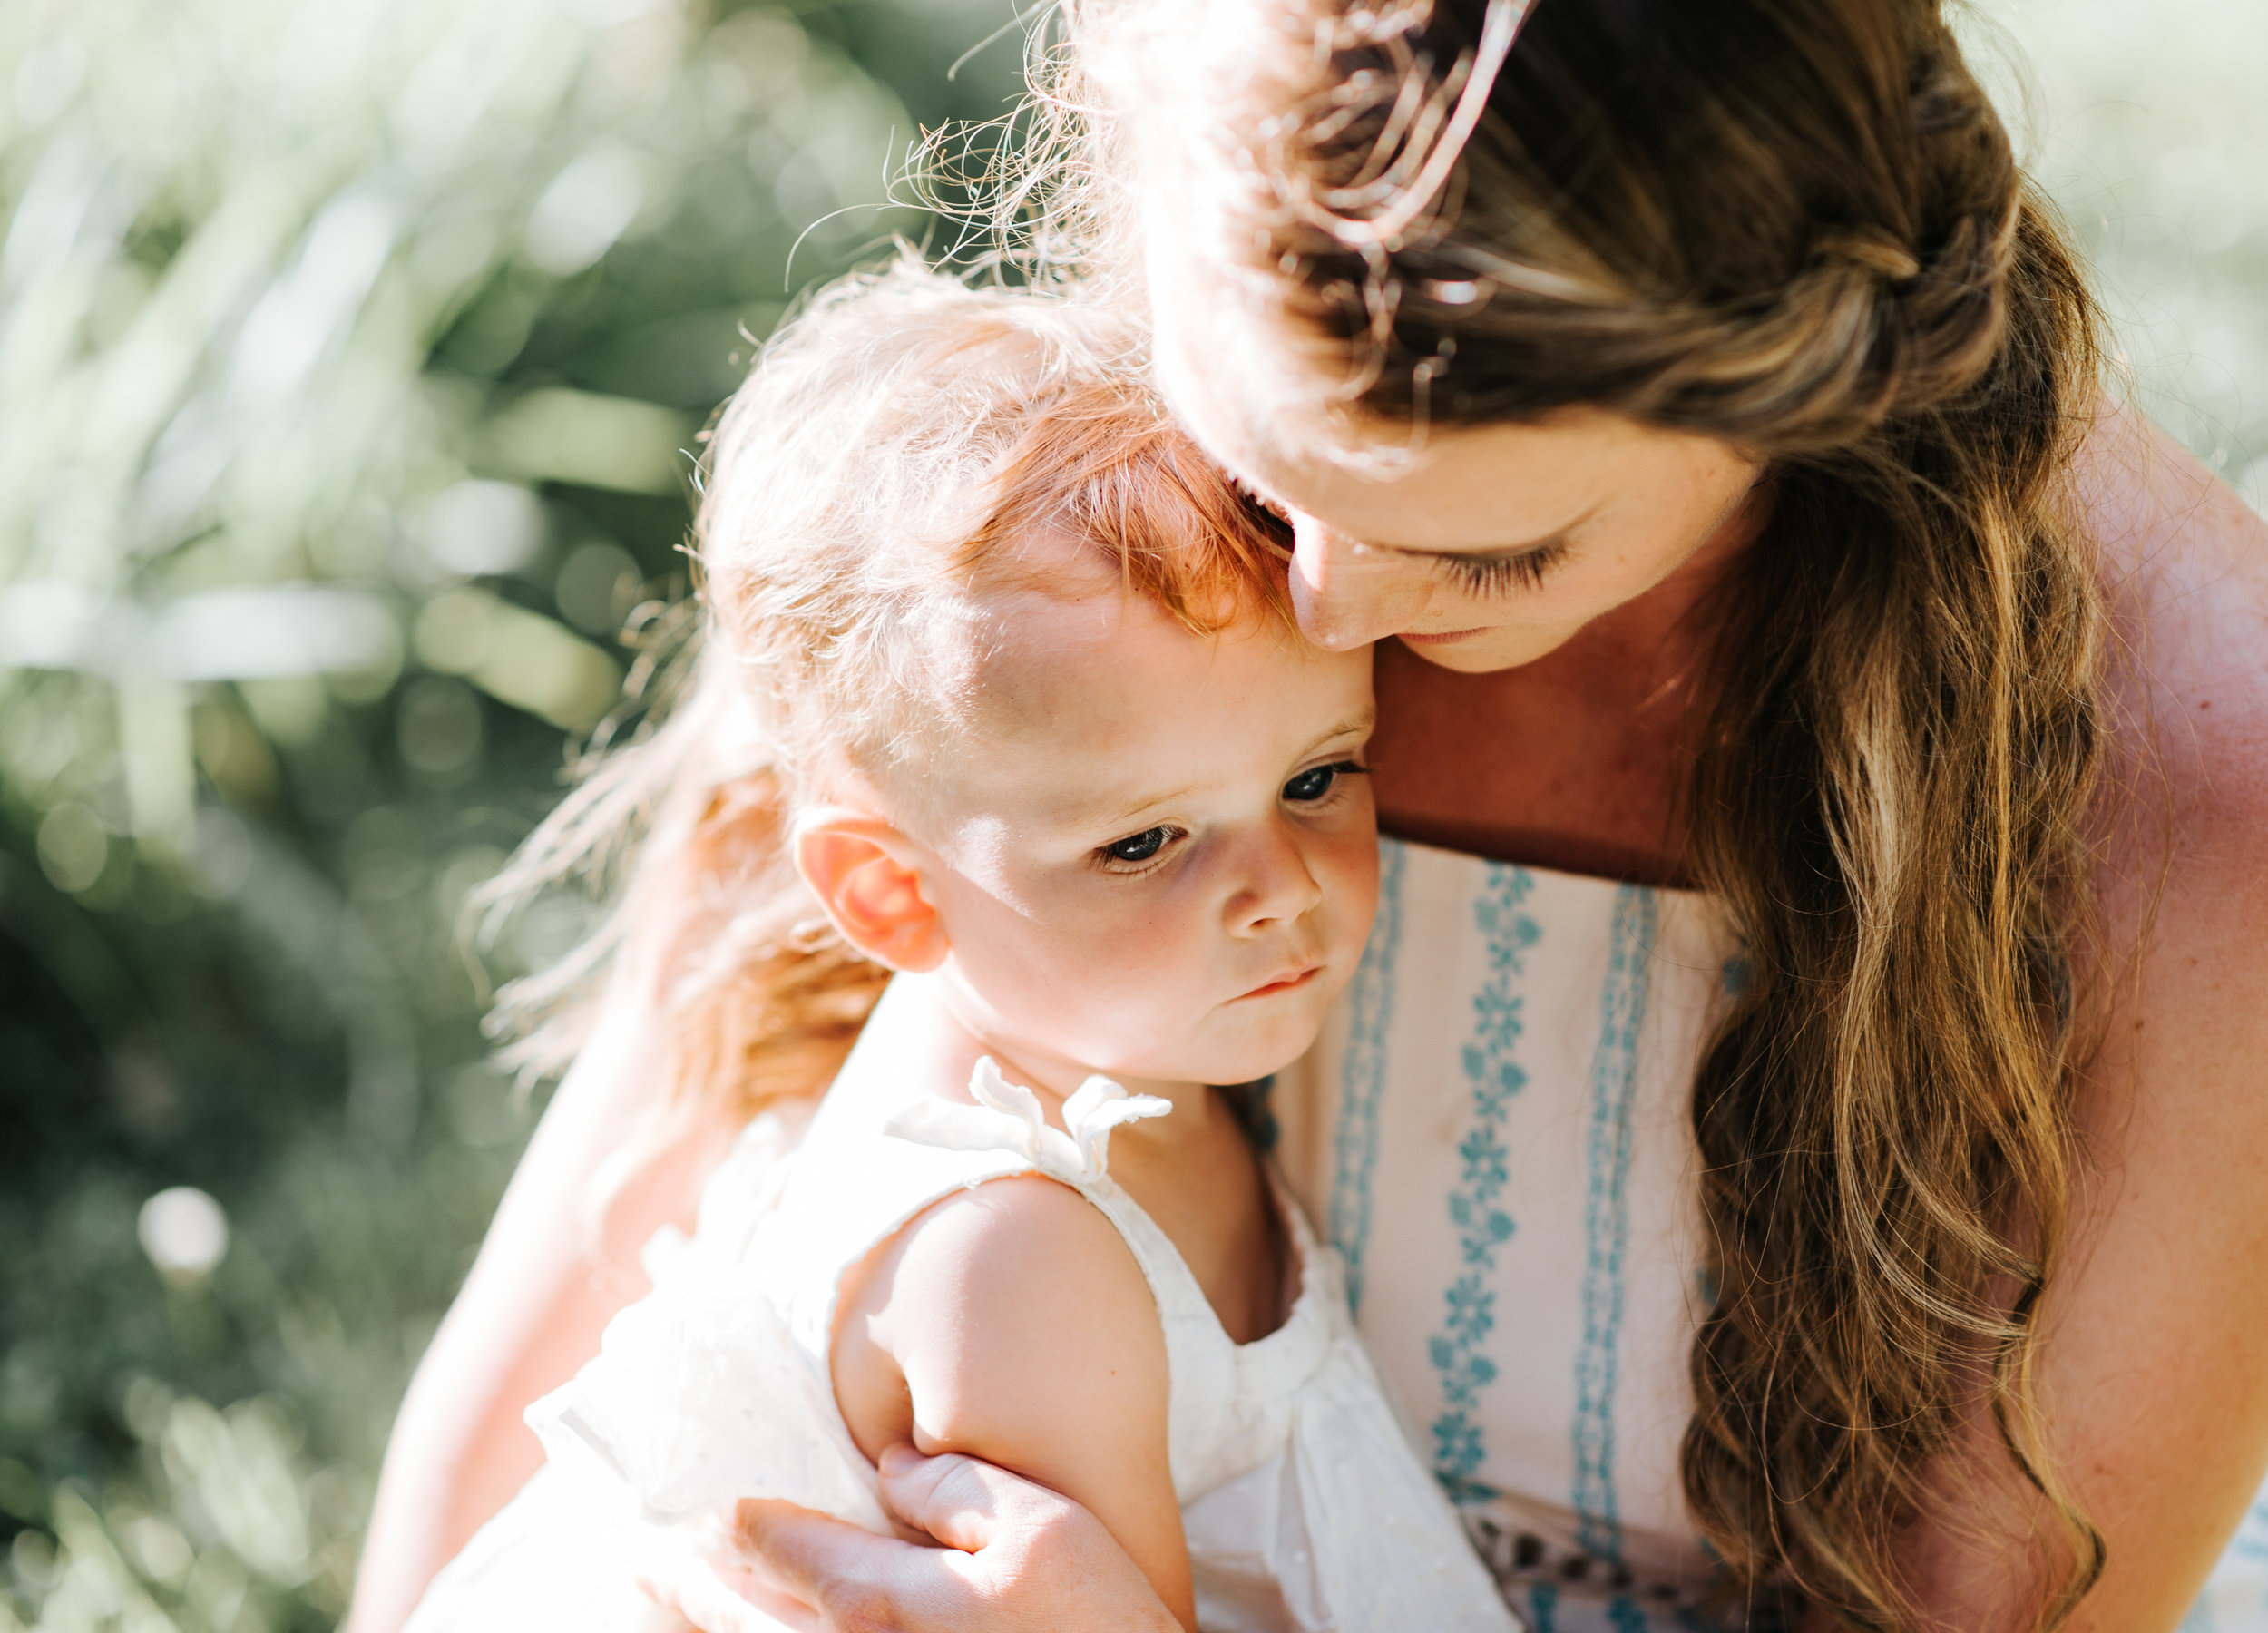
(1624, 1615)
(1614, 1075)
(1482, 1226)
(1363, 1073)
(1543, 1599)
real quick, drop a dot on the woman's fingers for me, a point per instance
(966, 1503)
(695, 1591)
(681, 1575)
(851, 1578)
(1029, 1559)
(1018, 1558)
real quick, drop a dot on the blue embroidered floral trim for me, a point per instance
(1543, 1602)
(1623, 1612)
(1614, 1075)
(1362, 1073)
(1482, 1226)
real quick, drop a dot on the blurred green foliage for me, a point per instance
(2147, 124)
(351, 355)
(351, 352)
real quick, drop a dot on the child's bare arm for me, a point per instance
(1012, 1323)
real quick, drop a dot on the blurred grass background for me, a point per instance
(350, 353)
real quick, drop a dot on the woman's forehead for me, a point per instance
(1488, 487)
(1258, 401)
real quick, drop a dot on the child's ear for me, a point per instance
(868, 877)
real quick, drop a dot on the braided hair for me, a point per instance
(1795, 226)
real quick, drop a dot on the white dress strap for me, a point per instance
(1007, 1118)
(1007, 1121)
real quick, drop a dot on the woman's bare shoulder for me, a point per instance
(2185, 571)
(2161, 1401)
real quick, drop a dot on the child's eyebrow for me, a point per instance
(1111, 810)
(1116, 806)
(1360, 725)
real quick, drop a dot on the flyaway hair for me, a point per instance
(896, 446)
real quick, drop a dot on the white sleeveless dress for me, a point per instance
(1304, 1505)
(1495, 1132)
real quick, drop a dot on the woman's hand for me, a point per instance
(1015, 1556)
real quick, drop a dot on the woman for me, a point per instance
(1694, 398)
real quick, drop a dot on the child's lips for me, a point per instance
(1285, 982)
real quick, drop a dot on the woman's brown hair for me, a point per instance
(1796, 226)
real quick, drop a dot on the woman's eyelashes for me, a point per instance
(1502, 574)
(1273, 507)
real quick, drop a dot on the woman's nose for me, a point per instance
(1277, 886)
(1347, 594)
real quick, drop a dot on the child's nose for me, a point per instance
(1277, 885)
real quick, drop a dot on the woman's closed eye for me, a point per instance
(1317, 782)
(1502, 574)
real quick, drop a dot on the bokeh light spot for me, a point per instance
(184, 1232)
(597, 587)
(74, 845)
(482, 527)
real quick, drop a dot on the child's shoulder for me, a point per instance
(1010, 1319)
(1007, 1313)
(1023, 1270)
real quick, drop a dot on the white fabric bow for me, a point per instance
(1007, 1118)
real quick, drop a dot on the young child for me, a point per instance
(999, 695)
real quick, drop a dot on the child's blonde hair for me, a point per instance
(892, 445)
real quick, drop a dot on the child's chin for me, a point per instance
(1262, 1059)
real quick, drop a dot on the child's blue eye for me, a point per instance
(1312, 785)
(1140, 847)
